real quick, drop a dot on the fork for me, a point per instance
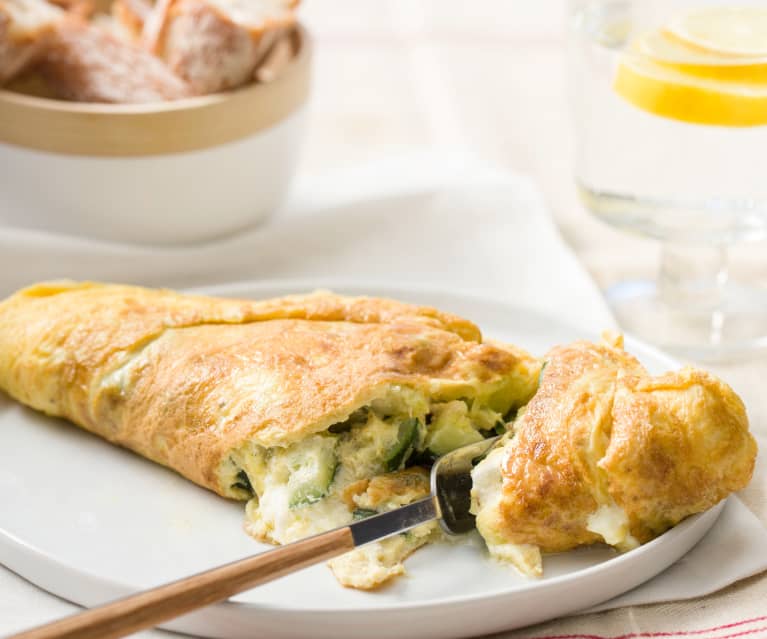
(449, 503)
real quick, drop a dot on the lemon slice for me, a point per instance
(663, 90)
(666, 50)
(728, 31)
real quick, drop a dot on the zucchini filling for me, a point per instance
(368, 464)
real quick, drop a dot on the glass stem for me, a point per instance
(693, 277)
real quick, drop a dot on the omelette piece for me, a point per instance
(380, 562)
(312, 408)
(604, 452)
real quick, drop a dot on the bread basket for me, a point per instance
(171, 172)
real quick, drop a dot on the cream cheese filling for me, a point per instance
(487, 484)
(611, 522)
(319, 483)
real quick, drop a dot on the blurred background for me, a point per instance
(487, 77)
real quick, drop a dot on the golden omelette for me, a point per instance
(321, 409)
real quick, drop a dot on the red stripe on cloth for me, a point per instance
(745, 632)
(680, 633)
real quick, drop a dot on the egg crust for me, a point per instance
(185, 380)
(605, 452)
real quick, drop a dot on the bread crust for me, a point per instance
(26, 27)
(86, 64)
(213, 45)
(131, 15)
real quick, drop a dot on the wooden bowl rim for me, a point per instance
(157, 128)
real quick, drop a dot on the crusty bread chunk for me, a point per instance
(216, 44)
(81, 8)
(25, 27)
(86, 64)
(130, 16)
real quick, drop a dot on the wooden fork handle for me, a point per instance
(151, 607)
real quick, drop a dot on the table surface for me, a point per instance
(488, 77)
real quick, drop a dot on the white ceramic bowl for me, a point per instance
(173, 172)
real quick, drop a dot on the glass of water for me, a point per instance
(669, 99)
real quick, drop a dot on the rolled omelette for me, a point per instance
(607, 453)
(317, 409)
